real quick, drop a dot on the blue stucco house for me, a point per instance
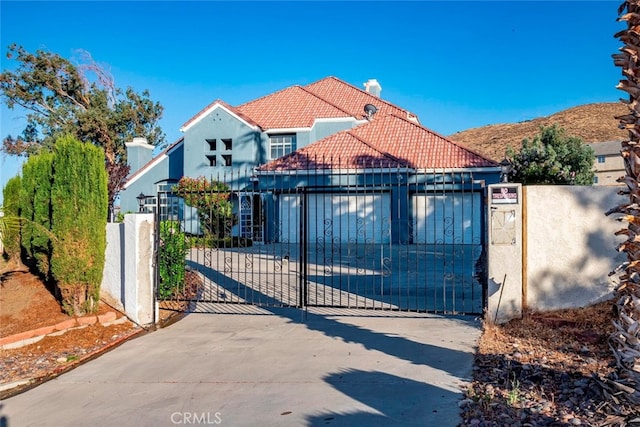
(359, 166)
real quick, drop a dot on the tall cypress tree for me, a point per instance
(79, 202)
(35, 209)
(10, 221)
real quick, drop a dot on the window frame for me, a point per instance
(283, 147)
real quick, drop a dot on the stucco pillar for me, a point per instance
(504, 252)
(138, 298)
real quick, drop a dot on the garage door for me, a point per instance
(362, 218)
(454, 218)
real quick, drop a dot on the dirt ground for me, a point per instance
(554, 368)
(26, 304)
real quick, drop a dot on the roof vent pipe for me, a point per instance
(373, 87)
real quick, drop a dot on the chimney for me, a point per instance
(138, 153)
(373, 87)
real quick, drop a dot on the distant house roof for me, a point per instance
(606, 148)
(387, 141)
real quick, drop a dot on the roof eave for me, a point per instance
(212, 108)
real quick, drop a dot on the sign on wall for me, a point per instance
(504, 195)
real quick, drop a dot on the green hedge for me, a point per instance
(79, 205)
(35, 209)
(173, 250)
(10, 221)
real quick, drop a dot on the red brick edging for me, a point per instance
(61, 326)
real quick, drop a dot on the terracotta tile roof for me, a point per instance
(352, 99)
(225, 105)
(293, 107)
(387, 141)
(298, 106)
(339, 151)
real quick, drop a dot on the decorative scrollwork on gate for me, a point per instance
(447, 226)
(386, 266)
(328, 228)
(208, 257)
(335, 245)
(360, 227)
(328, 268)
(228, 263)
(228, 225)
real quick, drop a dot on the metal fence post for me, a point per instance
(304, 244)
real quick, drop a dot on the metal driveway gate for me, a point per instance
(410, 242)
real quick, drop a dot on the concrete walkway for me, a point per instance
(273, 369)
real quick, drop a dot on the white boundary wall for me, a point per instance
(128, 279)
(568, 250)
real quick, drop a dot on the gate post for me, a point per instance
(139, 283)
(504, 252)
(304, 244)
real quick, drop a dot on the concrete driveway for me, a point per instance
(335, 368)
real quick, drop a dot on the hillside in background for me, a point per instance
(591, 122)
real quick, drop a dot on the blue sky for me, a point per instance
(456, 64)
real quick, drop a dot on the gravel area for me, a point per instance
(552, 369)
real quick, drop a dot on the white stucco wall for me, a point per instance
(128, 277)
(112, 287)
(570, 245)
(568, 250)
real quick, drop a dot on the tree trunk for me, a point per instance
(625, 341)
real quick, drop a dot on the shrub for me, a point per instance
(79, 205)
(35, 209)
(219, 242)
(212, 199)
(9, 223)
(120, 216)
(172, 252)
(552, 157)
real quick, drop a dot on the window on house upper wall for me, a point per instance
(281, 145)
(601, 159)
(212, 144)
(227, 143)
(226, 158)
(212, 160)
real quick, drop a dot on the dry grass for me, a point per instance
(560, 334)
(591, 122)
(545, 369)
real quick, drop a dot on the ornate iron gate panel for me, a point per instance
(380, 239)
